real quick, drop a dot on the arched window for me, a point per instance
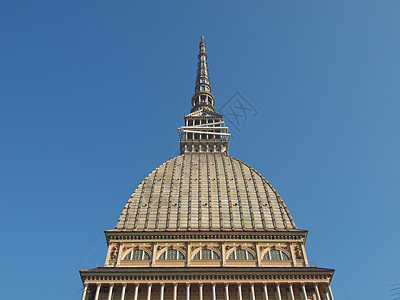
(172, 254)
(241, 254)
(137, 254)
(206, 254)
(275, 254)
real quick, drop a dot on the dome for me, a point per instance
(205, 192)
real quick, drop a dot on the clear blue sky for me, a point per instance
(92, 93)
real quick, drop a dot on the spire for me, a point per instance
(204, 130)
(202, 97)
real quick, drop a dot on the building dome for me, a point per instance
(205, 192)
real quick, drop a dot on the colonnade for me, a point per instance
(327, 295)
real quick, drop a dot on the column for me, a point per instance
(84, 291)
(239, 297)
(317, 291)
(123, 291)
(214, 294)
(162, 291)
(200, 291)
(175, 291)
(330, 293)
(188, 254)
(252, 293)
(291, 291)
(278, 291)
(226, 291)
(135, 295)
(153, 255)
(149, 291)
(258, 253)
(223, 254)
(294, 263)
(110, 291)
(304, 292)
(187, 291)
(326, 295)
(303, 249)
(96, 297)
(265, 287)
(119, 258)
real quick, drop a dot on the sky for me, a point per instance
(92, 94)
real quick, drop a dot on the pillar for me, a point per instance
(252, 292)
(239, 290)
(258, 253)
(110, 291)
(326, 295)
(265, 288)
(187, 291)
(96, 297)
(291, 292)
(175, 291)
(149, 291)
(278, 291)
(226, 291)
(123, 291)
(188, 254)
(223, 248)
(162, 291)
(84, 291)
(200, 291)
(135, 295)
(317, 291)
(330, 293)
(303, 250)
(304, 292)
(214, 294)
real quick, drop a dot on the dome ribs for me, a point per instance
(190, 193)
(259, 200)
(215, 190)
(245, 209)
(145, 215)
(176, 194)
(183, 214)
(253, 197)
(205, 192)
(207, 205)
(236, 196)
(287, 214)
(229, 196)
(137, 210)
(165, 195)
(195, 194)
(160, 179)
(269, 203)
(170, 198)
(225, 205)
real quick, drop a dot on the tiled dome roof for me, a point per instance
(205, 192)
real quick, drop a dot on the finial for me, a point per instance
(202, 38)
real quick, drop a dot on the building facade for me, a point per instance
(205, 225)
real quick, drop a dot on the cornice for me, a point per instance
(211, 274)
(122, 235)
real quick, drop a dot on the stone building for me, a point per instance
(205, 225)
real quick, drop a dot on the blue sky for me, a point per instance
(92, 93)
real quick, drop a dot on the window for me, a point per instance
(241, 254)
(206, 254)
(275, 254)
(172, 254)
(137, 254)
